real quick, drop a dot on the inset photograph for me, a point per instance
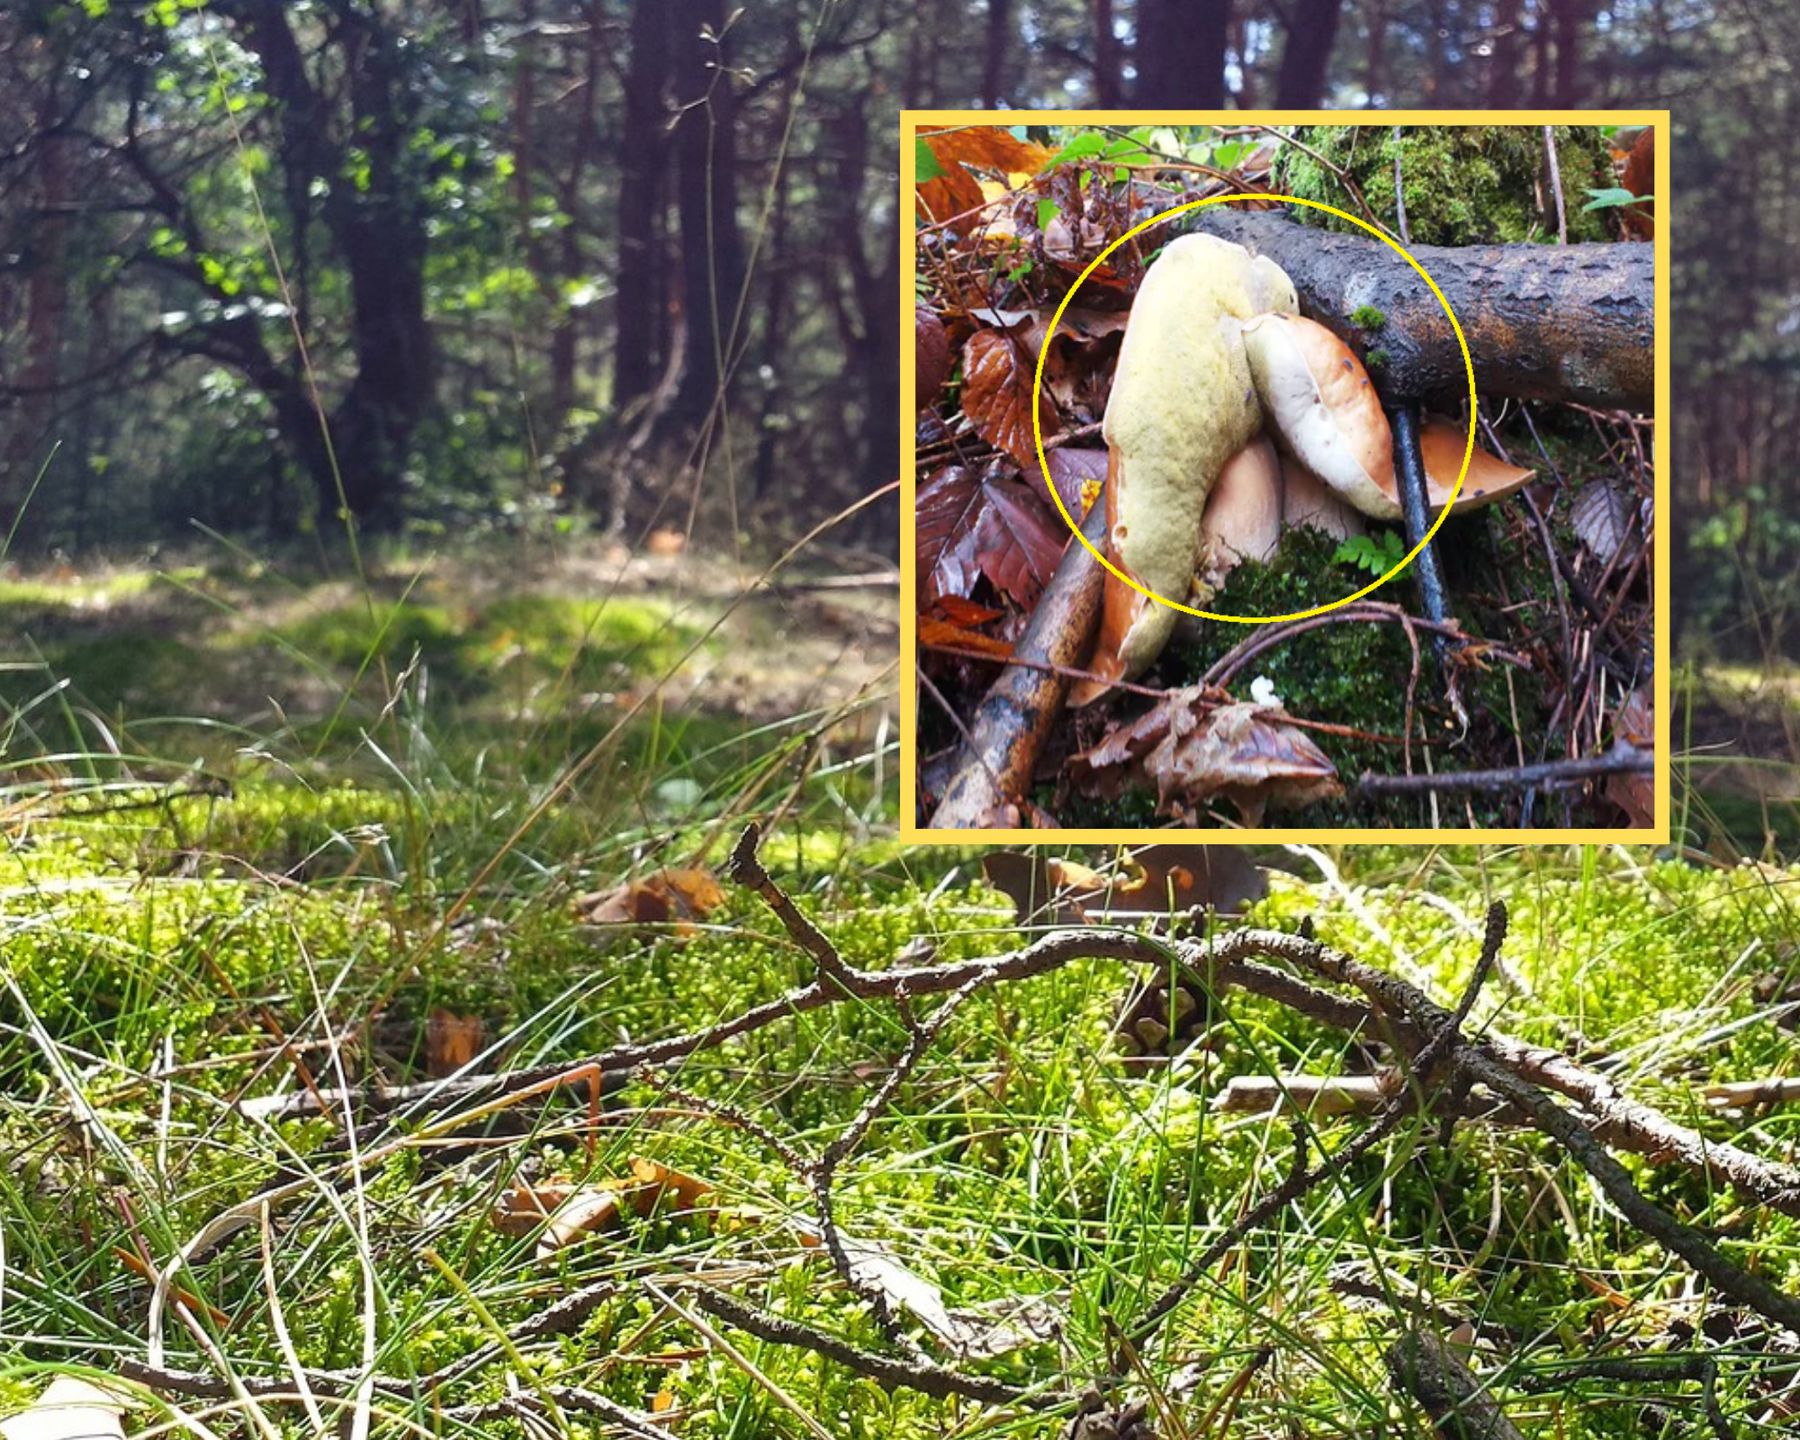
(1286, 479)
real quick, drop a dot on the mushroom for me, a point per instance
(1183, 403)
(1308, 500)
(1242, 520)
(1319, 400)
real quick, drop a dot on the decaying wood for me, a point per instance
(1543, 322)
(1427, 1369)
(1321, 1096)
(1017, 712)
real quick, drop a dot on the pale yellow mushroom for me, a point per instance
(1182, 404)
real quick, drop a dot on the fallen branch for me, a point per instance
(1460, 1408)
(994, 770)
(1562, 323)
(1621, 759)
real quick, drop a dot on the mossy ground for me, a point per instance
(1463, 185)
(1356, 673)
(1021, 1161)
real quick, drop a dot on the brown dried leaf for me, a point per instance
(987, 147)
(1019, 540)
(996, 396)
(931, 355)
(956, 637)
(947, 511)
(1605, 516)
(1078, 473)
(1634, 724)
(451, 1042)
(673, 895)
(1192, 752)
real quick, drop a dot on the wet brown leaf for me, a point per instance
(1193, 752)
(931, 355)
(1020, 540)
(996, 396)
(676, 895)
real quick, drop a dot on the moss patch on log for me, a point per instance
(1464, 185)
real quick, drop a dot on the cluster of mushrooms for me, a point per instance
(1231, 415)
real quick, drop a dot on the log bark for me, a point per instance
(1543, 322)
(1016, 714)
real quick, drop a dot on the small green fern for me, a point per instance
(1378, 553)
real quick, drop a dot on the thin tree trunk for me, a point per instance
(1503, 72)
(1375, 50)
(582, 146)
(1109, 89)
(643, 144)
(999, 40)
(1180, 53)
(1306, 53)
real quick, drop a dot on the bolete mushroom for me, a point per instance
(1320, 402)
(1242, 519)
(1183, 403)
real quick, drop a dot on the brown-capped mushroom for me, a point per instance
(1319, 400)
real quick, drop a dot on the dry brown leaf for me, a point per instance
(664, 541)
(1634, 723)
(958, 611)
(996, 396)
(1605, 518)
(931, 355)
(676, 895)
(1020, 539)
(451, 1042)
(943, 634)
(567, 1212)
(987, 147)
(1193, 752)
(657, 1181)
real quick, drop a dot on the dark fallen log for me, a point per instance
(1016, 714)
(1543, 322)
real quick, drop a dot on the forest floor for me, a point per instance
(252, 849)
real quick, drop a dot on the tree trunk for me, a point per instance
(1375, 51)
(1503, 71)
(642, 145)
(999, 40)
(30, 426)
(1306, 54)
(1180, 53)
(378, 227)
(712, 266)
(582, 146)
(1109, 90)
(1569, 15)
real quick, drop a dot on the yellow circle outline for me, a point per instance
(1037, 433)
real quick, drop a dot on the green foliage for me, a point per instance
(1614, 198)
(1377, 553)
(1465, 185)
(1368, 317)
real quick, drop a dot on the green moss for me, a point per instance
(1369, 317)
(1464, 184)
(1375, 359)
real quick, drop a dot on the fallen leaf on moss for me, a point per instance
(675, 895)
(1192, 751)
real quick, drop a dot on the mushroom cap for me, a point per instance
(1320, 401)
(1308, 500)
(1242, 520)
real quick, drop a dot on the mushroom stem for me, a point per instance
(1409, 469)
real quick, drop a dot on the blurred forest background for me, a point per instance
(620, 264)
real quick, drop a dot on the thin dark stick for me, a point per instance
(1409, 469)
(1620, 760)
